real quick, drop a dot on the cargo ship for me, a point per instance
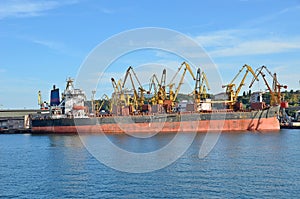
(264, 120)
(70, 115)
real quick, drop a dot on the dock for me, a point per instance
(17, 121)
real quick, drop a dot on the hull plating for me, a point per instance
(205, 122)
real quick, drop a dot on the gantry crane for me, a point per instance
(232, 95)
(172, 95)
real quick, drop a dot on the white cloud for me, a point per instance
(218, 38)
(28, 8)
(107, 11)
(265, 19)
(256, 47)
(243, 42)
(50, 44)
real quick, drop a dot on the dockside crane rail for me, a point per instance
(229, 87)
(173, 96)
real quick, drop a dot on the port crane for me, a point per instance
(159, 88)
(153, 82)
(232, 95)
(162, 88)
(40, 101)
(275, 95)
(276, 87)
(98, 106)
(200, 92)
(138, 100)
(118, 97)
(172, 95)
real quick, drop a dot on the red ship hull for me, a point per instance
(255, 124)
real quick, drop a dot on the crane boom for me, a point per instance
(173, 97)
(275, 90)
(229, 87)
(204, 79)
(138, 100)
(114, 84)
(249, 69)
(163, 78)
(103, 98)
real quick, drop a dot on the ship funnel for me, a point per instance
(54, 96)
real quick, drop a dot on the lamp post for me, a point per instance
(93, 96)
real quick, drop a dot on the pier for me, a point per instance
(17, 120)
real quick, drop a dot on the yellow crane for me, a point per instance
(138, 100)
(99, 106)
(153, 82)
(200, 91)
(276, 88)
(172, 95)
(232, 95)
(159, 88)
(118, 97)
(40, 101)
(162, 94)
(275, 95)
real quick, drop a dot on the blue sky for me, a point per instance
(45, 42)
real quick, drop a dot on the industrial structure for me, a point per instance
(134, 108)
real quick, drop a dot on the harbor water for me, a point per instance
(241, 165)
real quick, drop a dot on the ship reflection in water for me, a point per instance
(251, 165)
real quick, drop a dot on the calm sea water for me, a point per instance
(243, 165)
